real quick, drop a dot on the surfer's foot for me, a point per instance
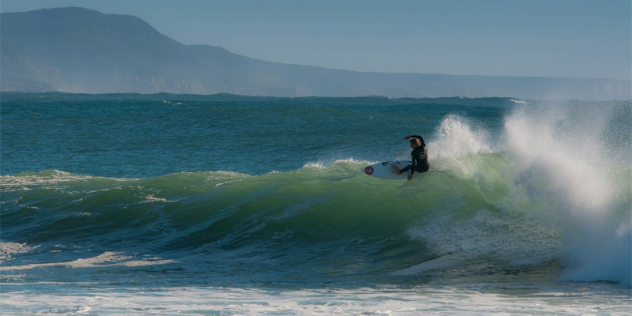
(396, 169)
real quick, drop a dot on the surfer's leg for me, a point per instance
(423, 169)
(400, 171)
(395, 169)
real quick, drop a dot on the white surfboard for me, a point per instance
(385, 170)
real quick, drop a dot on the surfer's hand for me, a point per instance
(408, 137)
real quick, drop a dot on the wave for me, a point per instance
(553, 188)
(325, 209)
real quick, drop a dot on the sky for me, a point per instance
(534, 38)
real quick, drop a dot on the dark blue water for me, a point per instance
(134, 136)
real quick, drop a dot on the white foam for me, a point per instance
(316, 165)
(420, 300)
(518, 101)
(151, 199)
(53, 177)
(48, 177)
(322, 165)
(9, 248)
(106, 259)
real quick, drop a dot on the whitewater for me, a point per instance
(127, 204)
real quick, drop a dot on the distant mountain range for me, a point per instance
(84, 51)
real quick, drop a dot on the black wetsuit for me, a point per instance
(419, 157)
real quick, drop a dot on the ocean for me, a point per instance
(128, 204)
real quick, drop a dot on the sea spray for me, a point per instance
(456, 137)
(562, 160)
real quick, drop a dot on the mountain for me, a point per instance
(84, 51)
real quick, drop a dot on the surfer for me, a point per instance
(419, 157)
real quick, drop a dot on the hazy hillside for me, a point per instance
(80, 50)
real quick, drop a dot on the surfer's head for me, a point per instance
(414, 142)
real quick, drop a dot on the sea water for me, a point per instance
(230, 205)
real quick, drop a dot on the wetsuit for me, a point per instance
(419, 157)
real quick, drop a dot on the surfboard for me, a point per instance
(385, 170)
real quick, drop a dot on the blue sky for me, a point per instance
(552, 38)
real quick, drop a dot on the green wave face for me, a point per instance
(325, 220)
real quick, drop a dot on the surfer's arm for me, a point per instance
(413, 165)
(421, 139)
